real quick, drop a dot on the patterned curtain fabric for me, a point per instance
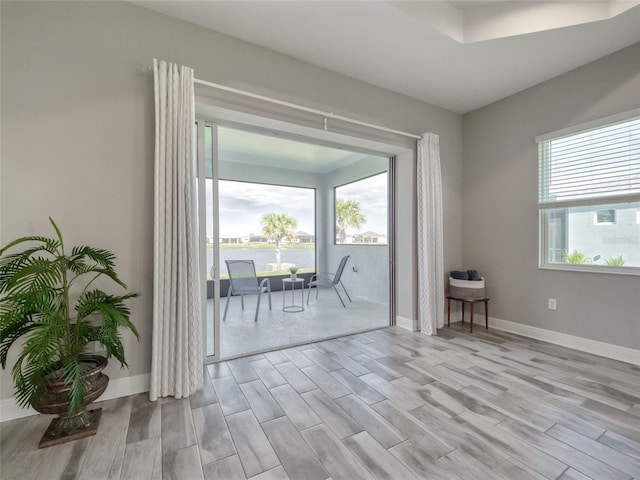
(430, 236)
(176, 362)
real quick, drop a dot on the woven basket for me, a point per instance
(471, 289)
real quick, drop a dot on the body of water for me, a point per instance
(300, 257)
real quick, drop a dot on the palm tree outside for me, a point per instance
(278, 227)
(348, 214)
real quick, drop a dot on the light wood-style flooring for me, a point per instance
(387, 404)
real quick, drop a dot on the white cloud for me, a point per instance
(243, 204)
(371, 194)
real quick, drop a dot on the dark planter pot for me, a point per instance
(66, 428)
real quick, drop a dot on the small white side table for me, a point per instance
(292, 307)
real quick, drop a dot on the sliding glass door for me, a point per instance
(331, 204)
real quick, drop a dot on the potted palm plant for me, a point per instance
(49, 306)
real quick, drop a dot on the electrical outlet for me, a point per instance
(552, 304)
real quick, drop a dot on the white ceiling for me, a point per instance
(460, 55)
(267, 149)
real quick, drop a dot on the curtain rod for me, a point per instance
(302, 108)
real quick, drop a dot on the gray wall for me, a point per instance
(500, 180)
(77, 122)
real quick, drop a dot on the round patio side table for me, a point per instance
(292, 307)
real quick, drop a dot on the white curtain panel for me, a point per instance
(430, 236)
(176, 363)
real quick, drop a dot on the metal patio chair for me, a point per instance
(244, 281)
(326, 281)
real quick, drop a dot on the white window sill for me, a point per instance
(634, 271)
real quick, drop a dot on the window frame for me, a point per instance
(596, 220)
(545, 209)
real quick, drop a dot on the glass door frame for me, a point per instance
(201, 157)
(217, 116)
(391, 237)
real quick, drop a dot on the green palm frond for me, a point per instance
(58, 234)
(48, 244)
(114, 315)
(110, 306)
(72, 374)
(348, 214)
(13, 265)
(99, 256)
(39, 357)
(278, 226)
(36, 274)
(30, 383)
(15, 321)
(110, 339)
(101, 262)
(10, 335)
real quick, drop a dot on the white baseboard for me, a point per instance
(407, 323)
(120, 387)
(616, 352)
(10, 410)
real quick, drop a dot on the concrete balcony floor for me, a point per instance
(323, 318)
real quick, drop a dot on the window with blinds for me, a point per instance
(589, 196)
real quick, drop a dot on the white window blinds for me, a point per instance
(590, 167)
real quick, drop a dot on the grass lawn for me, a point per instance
(267, 246)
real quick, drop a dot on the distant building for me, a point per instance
(304, 237)
(258, 239)
(370, 237)
(228, 240)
